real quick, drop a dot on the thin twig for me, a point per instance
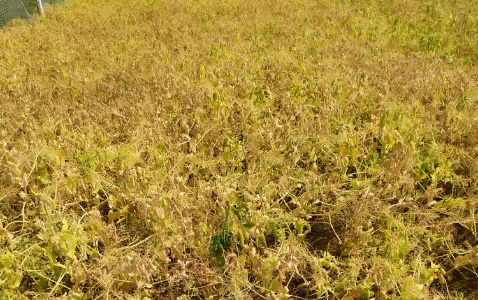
(331, 226)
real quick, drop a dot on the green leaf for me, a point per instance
(220, 244)
(12, 279)
(7, 261)
(277, 231)
(220, 261)
(300, 225)
(249, 224)
(68, 244)
(239, 210)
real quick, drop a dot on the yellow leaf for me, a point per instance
(461, 260)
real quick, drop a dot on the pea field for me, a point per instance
(240, 149)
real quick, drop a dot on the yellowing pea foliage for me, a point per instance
(235, 149)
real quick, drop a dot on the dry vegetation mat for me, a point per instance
(240, 149)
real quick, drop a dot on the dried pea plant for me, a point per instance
(205, 149)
